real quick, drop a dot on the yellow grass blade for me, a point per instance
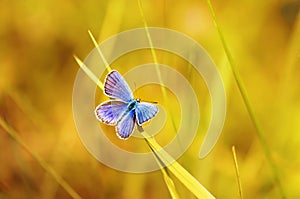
(14, 135)
(164, 92)
(168, 180)
(170, 184)
(247, 102)
(181, 174)
(99, 51)
(237, 172)
(151, 44)
(88, 72)
(114, 14)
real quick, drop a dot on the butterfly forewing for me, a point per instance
(110, 112)
(126, 125)
(116, 87)
(145, 111)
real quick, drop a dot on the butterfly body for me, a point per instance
(132, 104)
(130, 107)
(123, 111)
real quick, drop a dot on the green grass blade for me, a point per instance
(248, 105)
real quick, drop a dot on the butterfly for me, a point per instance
(122, 110)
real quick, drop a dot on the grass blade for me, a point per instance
(181, 174)
(99, 51)
(14, 135)
(248, 105)
(88, 72)
(168, 180)
(237, 172)
(151, 46)
(164, 92)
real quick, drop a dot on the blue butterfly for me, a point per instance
(122, 111)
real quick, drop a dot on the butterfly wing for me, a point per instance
(116, 87)
(126, 125)
(111, 111)
(145, 111)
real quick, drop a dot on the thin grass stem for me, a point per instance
(237, 172)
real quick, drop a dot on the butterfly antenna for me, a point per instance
(138, 94)
(152, 102)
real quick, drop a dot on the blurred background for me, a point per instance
(38, 40)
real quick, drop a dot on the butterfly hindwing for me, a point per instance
(145, 111)
(126, 125)
(110, 112)
(116, 87)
